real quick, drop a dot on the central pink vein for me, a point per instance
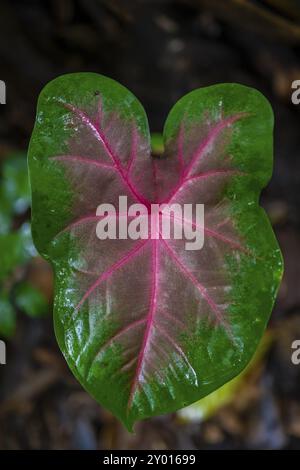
(150, 319)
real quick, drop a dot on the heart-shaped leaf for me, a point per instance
(146, 325)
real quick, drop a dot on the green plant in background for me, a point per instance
(157, 144)
(16, 246)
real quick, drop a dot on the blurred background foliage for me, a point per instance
(160, 50)
(16, 247)
(271, 18)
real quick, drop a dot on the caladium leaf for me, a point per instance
(146, 325)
